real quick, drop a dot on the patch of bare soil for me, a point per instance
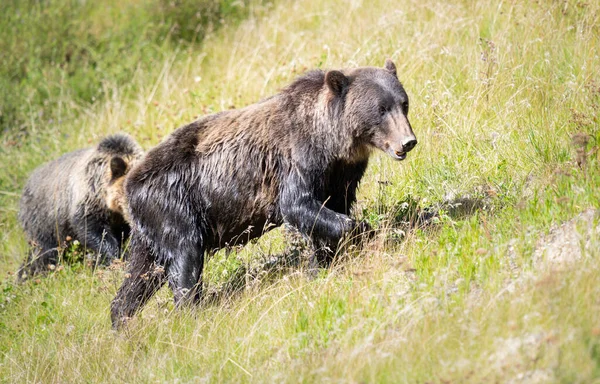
(570, 241)
(563, 246)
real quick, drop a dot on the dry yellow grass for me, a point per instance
(497, 89)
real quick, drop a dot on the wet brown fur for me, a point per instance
(296, 157)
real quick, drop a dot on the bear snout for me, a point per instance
(409, 144)
(399, 151)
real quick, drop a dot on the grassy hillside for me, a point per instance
(63, 51)
(462, 282)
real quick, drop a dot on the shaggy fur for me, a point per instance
(296, 157)
(81, 196)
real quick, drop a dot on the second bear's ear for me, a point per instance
(337, 82)
(391, 67)
(118, 167)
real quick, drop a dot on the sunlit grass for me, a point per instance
(449, 289)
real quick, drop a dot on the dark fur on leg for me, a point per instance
(144, 278)
(38, 259)
(185, 275)
(94, 231)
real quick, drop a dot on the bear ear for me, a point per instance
(391, 67)
(118, 167)
(337, 82)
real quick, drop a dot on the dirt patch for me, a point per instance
(513, 353)
(570, 241)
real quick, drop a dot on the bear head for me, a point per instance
(122, 153)
(115, 191)
(375, 108)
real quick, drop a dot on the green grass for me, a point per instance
(64, 51)
(497, 89)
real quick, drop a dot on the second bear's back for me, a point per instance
(49, 191)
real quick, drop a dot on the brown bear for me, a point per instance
(296, 158)
(78, 196)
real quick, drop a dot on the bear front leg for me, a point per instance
(342, 184)
(39, 257)
(301, 208)
(96, 235)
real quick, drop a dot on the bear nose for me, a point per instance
(409, 144)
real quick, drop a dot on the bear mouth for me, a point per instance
(398, 155)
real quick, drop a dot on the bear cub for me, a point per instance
(296, 157)
(79, 196)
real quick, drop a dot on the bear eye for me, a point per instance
(383, 110)
(405, 106)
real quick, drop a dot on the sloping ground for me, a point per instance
(570, 242)
(471, 278)
(569, 246)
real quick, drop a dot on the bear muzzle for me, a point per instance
(400, 153)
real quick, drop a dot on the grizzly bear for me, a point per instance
(78, 196)
(296, 158)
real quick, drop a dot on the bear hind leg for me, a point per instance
(143, 279)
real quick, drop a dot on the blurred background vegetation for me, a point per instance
(57, 49)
